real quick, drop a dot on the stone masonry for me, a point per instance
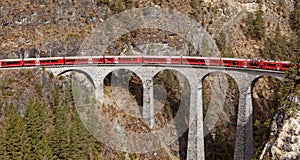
(242, 76)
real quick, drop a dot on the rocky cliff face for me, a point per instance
(284, 140)
(46, 27)
(58, 27)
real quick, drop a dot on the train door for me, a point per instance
(245, 64)
(278, 67)
(207, 62)
(37, 62)
(90, 61)
(116, 59)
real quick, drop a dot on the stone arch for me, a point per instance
(172, 94)
(266, 75)
(125, 69)
(220, 102)
(128, 80)
(79, 71)
(266, 91)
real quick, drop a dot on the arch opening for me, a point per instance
(81, 72)
(171, 91)
(220, 95)
(78, 87)
(124, 80)
(123, 100)
(266, 94)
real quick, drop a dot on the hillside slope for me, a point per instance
(58, 27)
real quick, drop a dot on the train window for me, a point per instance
(76, 60)
(175, 59)
(128, 59)
(70, 60)
(33, 61)
(253, 63)
(155, 59)
(109, 59)
(11, 63)
(98, 59)
(286, 65)
(271, 64)
(226, 61)
(235, 63)
(196, 60)
(214, 61)
(49, 61)
(81, 60)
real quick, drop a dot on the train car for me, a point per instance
(276, 65)
(30, 62)
(110, 60)
(5, 63)
(51, 61)
(130, 59)
(214, 61)
(231, 62)
(254, 63)
(156, 59)
(175, 59)
(270, 65)
(283, 65)
(194, 60)
(98, 60)
(77, 60)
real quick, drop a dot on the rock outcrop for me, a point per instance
(58, 27)
(284, 140)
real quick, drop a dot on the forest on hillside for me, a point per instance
(38, 119)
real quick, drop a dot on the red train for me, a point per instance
(185, 60)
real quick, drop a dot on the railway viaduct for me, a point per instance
(243, 77)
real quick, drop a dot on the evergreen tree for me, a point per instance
(295, 18)
(117, 6)
(250, 24)
(268, 49)
(81, 143)
(259, 24)
(280, 44)
(2, 142)
(276, 48)
(35, 119)
(196, 4)
(3, 132)
(129, 3)
(226, 50)
(222, 43)
(294, 48)
(57, 97)
(292, 78)
(16, 138)
(59, 141)
(105, 2)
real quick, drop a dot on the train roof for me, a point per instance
(198, 57)
(10, 59)
(239, 59)
(42, 58)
